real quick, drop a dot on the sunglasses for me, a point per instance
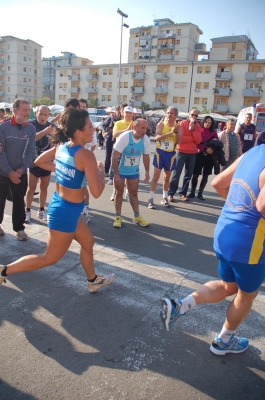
(194, 115)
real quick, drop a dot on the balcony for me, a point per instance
(161, 75)
(145, 48)
(137, 89)
(166, 46)
(92, 77)
(74, 90)
(160, 89)
(1, 50)
(166, 35)
(143, 57)
(222, 91)
(2, 93)
(254, 76)
(138, 104)
(156, 104)
(224, 76)
(91, 89)
(146, 37)
(74, 77)
(2, 61)
(165, 56)
(221, 108)
(251, 92)
(138, 75)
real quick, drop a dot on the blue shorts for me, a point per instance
(39, 172)
(249, 277)
(165, 159)
(62, 215)
(135, 176)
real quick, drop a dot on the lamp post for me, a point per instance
(123, 15)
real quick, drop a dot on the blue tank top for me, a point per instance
(131, 155)
(65, 171)
(240, 230)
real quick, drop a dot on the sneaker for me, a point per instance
(165, 203)
(102, 280)
(99, 147)
(106, 174)
(2, 278)
(127, 196)
(2, 232)
(140, 221)
(112, 196)
(235, 345)
(21, 235)
(86, 215)
(110, 182)
(28, 217)
(150, 204)
(170, 312)
(41, 214)
(117, 222)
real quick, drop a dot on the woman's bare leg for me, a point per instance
(85, 238)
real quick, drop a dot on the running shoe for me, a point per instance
(28, 217)
(117, 222)
(102, 280)
(112, 197)
(235, 345)
(99, 147)
(2, 232)
(2, 278)
(41, 214)
(86, 215)
(170, 312)
(164, 202)
(21, 235)
(127, 196)
(150, 204)
(140, 221)
(110, 182)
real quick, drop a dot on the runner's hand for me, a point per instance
(147, 177)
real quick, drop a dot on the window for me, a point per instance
(35, 91)
(24, 90)
(180, 100)
(123, 98)
(206, 85)
(62, 97)
(35, 72)
(105, 72)
(29, 79)
(196, 100)
(135, 55)
(8, 47)
(110, 71)
(178, 70)
(233, 46)
(176, 85)
(35, 82)
(8, 68)
(29, 90)
(177, 42)
(232, 57)
(25, 69)
(62, 85)
(8, 89)
(126, 71)
(178, 32)
(25, 58)
(104, 84)
(185, 70)
(103, 98)
(8, 58)
(207, 70)
(108, 97)
(204, 101)
(184, 85)
(25, 80)
(125, 84)
(199, 70)
(176, 53)
(25, 48)
(136, 45)
(8, 79)
(35, 52)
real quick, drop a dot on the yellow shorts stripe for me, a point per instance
(258, 242)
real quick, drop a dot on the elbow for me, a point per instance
(260, 205)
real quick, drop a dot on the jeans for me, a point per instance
(18, 193)
(109, 146)
(182, 159)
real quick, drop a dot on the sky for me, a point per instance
(92, 29)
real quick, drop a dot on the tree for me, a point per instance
(93, 103)
(205, 110)
(147, 107)
(46, 101)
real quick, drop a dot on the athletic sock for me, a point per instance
(118, 214)
(92, 280)
(152, 195)
(187, 304)
(165, 194)
(136, 214)
(225, 334)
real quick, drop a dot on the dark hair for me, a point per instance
(7, 109)
(2, 110)
(72, 101)
(123, 105)
(212, 127)
(83, 101)
(70, 121)
(17, 103)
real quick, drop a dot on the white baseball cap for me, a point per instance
(129, 109)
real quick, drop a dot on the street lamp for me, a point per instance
(123, 15)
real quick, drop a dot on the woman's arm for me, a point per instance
(45, 160)
(94, 171)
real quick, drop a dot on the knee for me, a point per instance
(133, 193)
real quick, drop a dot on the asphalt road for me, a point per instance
(60, 342)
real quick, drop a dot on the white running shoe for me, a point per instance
(127, 197)
(41, 214)
(86, 215)
(112, 196)
(28, 217)
(102, 280)
(21, 235)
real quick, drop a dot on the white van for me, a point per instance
(258, 116)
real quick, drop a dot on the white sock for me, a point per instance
(225, 334)
(152, 195)
(126, 192)
(187, 304)
(165, 194)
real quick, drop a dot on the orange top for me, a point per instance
(190, 138)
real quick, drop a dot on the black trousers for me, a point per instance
(109, 146)
(17, 192)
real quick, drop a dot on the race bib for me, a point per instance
(131, 161)
(248, 136)
(167, 145)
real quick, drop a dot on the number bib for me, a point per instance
(248, 136)
(166, 145)
(131, 161)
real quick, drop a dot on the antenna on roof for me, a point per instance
(248, 34)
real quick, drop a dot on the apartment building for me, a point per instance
(220, 86)
(20, 69)
(165, 41)
(233, 48)
(49, 64)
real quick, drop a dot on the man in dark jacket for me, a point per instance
(17, 150)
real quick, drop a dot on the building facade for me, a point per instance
(20, 69)
(67, 59)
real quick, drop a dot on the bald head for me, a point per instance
(140, 126)
(42, 114)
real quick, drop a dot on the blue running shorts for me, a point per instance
(164, 159)
(63, 215)
(249, 277)
(135, 176)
